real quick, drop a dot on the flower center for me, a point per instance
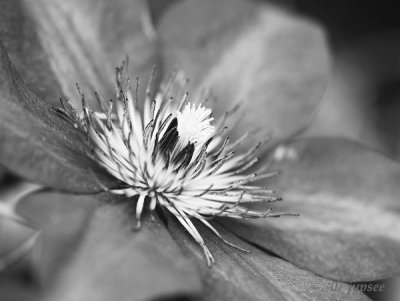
(194, 124)
(173, 157)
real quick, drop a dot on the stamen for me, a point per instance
(194, 124)
(171, 154)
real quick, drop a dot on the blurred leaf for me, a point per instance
(348, 200)
(111, 262)
(256, 275)
(273, 61)
(55, 44)
(38, 145)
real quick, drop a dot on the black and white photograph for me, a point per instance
(199, 150)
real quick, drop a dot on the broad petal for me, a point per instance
(15, 242)
(55, 44)
(3, 173)
(16, 237)
(110, 261)
(37, 144)
(256, 275)
(347, 197)
(61, 220)
(274, 62)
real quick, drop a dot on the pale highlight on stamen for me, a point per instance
(194, 124)
(171, 154)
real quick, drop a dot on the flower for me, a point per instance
(171, 155)
(277, 64)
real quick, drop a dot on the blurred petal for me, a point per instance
(273, 61)
(256, 275)
(16, 236)
(111, 262)
(38, 145)
(348, 200)
(55, 44)
(157, 8)
(11, 193)
(62, 220)
(362, 98)
(17, 291)
(15, 242)
(3, 174)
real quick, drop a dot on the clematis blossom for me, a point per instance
(91, 159)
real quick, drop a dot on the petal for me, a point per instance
(55, 44)
(347, 197)
(15, 242)
(158, 8)
(16, 237)
(61, 220)
(361, 100)
(3, 174)
(275, 62)
(14, 290)
(111, 262)
(237, 275)
(37, 144)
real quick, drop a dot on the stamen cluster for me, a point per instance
(168, 153)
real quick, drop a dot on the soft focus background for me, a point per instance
(362, 100)
(363, 97)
